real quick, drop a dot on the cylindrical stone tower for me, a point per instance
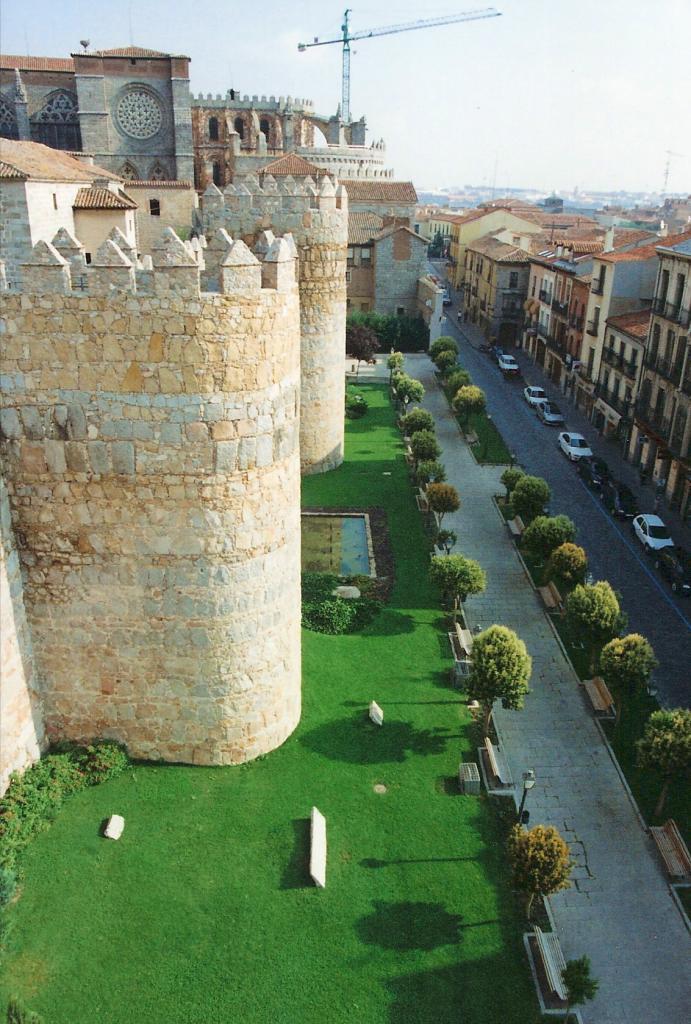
(318, 223)
(151, 452)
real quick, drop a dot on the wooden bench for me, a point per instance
(553, 963)
(673, 849)
(516, 527)
(497, 765)
(461, 641)
(600, 697)
(551, 598)
(471, 437)
(422, 501)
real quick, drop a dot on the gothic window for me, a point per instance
(239, 126)
(265, 127)
(57, 123)
(129, 171)
(213, 129)
(158, 172)
(155, 207)
(8, 122)
(216, 173)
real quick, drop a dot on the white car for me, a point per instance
(507, 363)
(534, 395)
(574, 446)
(549, 413)
(652, 533)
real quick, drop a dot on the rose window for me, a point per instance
(139, 114)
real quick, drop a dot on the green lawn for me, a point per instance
(490, 449)
(203, 912)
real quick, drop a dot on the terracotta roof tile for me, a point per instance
(156, 183)
(102, 199)
(9, 171)
(499, 252)
(644, 252)
(379, 191)
(362, 227)
(294, 165)
(41, 163)
(130, 51)
(635, 324)
(391, 229)
(8, 62)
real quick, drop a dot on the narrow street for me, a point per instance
(613, 552)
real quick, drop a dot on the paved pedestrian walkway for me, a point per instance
(619, 911)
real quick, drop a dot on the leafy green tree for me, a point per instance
(424, 446)
(540, 861)
(408, 388)
(430, 469)
(436, 246)
(417, 419)
(666, 747)
(443, 344)
(500, 670)
(468, 400)
(568, 563)
(510, 478)
(627, 662)
(593, 615)
(456, 380)
(361, 343)
(579, 984)
(546, 533)
(442, 498)
(446, 539)
(529, 497)
(445, 362)
(457, 578)
(395, 362)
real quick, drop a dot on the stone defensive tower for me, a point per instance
(317, 219)
(150, 449)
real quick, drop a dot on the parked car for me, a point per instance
(675, 565)
(496, 353)
(507, 364)
(618, 499)
(652, 533)
(446, 301)
(534, 395)
(574, 446)
(549, 413)
(590, 474)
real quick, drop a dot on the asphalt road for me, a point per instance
(614, 554)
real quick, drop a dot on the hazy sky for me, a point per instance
(554, 94)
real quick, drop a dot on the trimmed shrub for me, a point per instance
(456, 380)
(443, 344)
(468, 399)
(445, 361)
(403, 333)
(546, 533)
(627, 662)
(568, 564)
(355, 406)
(510, 478)
(408, 387)
(593, 615)
(417, 419)
(529, 497)
(430, 469)
(324, 612)
(443, 498)
(424, 446)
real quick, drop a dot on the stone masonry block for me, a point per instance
(122, 454)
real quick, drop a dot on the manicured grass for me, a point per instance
(490, 449)
(203, 912)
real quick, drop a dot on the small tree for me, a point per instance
(468, 400)
(579, 984)
(417, 419)
(445, 362)
(500, 670)
(540, 861)
(395, 362)
(593, 615)
(510, 478)
(456, 380)
(627, 662)
(443, 344)
(569, 564)
(407, 388)
(529, 497)
(430, 469)
(424, 446)
(443, 498)
(361, 343)
(546, 533)
(446, 539)
(666, 747)
(457, 578)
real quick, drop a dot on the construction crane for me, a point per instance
(670, 155)
(347, 38)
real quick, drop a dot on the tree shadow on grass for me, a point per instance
(408, 926)
(359, 741)
(388, 622)
(296, 872)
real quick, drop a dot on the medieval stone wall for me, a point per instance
(150, 446)
(318, 223)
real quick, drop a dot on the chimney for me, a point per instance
(664, 230)
(609, 239)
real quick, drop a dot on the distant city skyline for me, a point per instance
(545, 97)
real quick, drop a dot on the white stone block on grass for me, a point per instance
(376, 714)
(318, 848)
(349, 593)
(114, 826)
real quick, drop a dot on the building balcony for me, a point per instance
(654, 420)
(545, 296)
(663, 367)
(621, 405)
(597, 287)
(630, 368)
(561, 308)
(612, 358)
(576, 322)
(542, 332)
(593, 327)
(686, 383)
(556, 346)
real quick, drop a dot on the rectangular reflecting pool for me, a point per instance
(337, 543)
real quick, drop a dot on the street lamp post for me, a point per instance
(528, 783)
